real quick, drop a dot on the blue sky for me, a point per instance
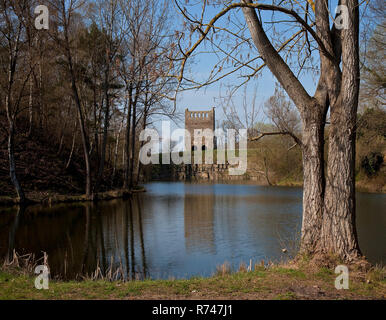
(205, 98)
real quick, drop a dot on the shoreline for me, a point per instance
(292, 281)
(49, 199)
(53, 198)
(292, 184)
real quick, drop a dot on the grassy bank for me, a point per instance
(276, 282)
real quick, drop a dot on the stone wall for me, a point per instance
(202, 172)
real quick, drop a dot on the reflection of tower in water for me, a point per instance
(199, 222)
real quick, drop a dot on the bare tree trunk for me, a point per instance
(11, 107)
(139, 165)
(74, 88)
(313, 180)
(41, 107)
(83, 134)
(312, 142)
(30, 105)
(105, 134)
(96, 139)
(339, 235)
(63, 131)
(73, 146)
(132, 160)
(12, 163)
(133, 134)
(127, 142)
(118, 137)
(266, 171)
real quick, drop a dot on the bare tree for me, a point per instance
(112, 22)
(13, 60)
(145, 72)
(245, 115)
(373, 78)
(284, 116)
(328, 224)
(65, 11)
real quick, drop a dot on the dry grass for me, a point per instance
(293, 280)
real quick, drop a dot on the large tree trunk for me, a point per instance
(312, 114)
(313, 179)
(339, 236)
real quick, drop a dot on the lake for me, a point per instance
(176, 230)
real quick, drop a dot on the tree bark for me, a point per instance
(313, 179)
(127, 142)
(145, 112)
(313, 126)
(132, 160)
(105, 132)
(338, 234)
(72, 147)
(30, 107)
(118, 137)
(11, 111)
(12, 164)
(96, 137)
(139, 165)
(74, 88)
(85, 141)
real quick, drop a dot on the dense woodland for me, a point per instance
(74, 97)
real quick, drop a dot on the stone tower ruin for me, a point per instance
(199, 120)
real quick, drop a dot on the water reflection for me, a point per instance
(12, 233)
(199, 223)
(79, 239)
(174, 230)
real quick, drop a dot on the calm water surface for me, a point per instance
(177, 230)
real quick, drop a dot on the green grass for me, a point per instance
(325, 273)
(278, 282)
(286, 296)
(291, 272)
